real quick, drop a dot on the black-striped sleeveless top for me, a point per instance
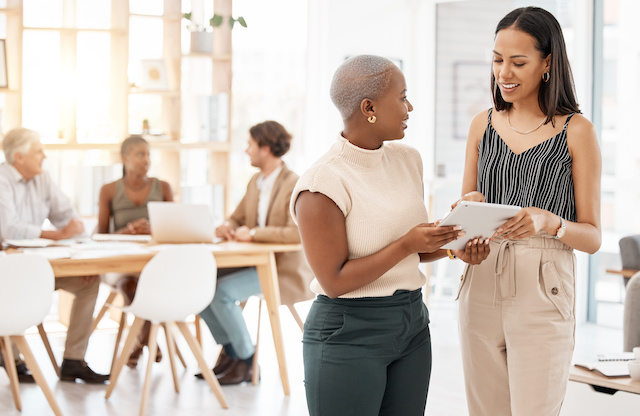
(538, 177)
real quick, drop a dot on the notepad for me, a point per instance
(133, 238)
(607, 368)
(617, 356)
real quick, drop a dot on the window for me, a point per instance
(617, 89)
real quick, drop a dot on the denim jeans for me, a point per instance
(223, 316)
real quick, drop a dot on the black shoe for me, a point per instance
(24, 375)
(70, 370)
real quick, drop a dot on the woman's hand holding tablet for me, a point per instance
(478, 220)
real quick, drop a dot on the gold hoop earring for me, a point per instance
(546, 77)
(372, 119)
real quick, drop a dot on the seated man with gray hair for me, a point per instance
(28, 196)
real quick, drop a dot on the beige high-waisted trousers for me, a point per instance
(517, 327)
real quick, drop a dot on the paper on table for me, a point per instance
(50, 252)
(161, 247)
(31, 242)
(39, 242)
(607, 368)
(97, 250)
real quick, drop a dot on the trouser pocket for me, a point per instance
(463, 279)
(555, 290)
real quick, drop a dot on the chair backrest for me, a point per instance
(631, 322)
(177, 282)
(26, 287)
(630, 252)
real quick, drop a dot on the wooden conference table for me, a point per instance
(626, 273)
(227, 254)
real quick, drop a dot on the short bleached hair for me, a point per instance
(360, 77)
(20, 140)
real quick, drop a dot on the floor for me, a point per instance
(446, 395)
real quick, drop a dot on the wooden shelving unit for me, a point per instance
(120, 86)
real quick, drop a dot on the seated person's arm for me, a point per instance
(104, 208)
(62, 216)
(285, 233)
(139, 226)
(73, 228)
(167, 192)
(62, 213)
(10, 223)
(227, 230)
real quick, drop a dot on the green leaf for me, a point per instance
(187, 16)
(216, 20)
(242, 22)
(232, 21)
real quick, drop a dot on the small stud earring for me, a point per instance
(372, 119)
(546, 77)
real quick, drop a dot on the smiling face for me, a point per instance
(392, 108)
(137, 159)
(518, 66)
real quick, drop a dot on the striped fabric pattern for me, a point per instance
(538, 177)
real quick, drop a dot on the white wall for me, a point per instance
(342, 28)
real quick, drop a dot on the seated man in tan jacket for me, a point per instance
(262, 216)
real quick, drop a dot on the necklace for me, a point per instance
(524, 132)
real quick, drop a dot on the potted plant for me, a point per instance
(202, 34)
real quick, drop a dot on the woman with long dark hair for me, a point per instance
(532, 149)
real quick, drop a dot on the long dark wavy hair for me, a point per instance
(557, 96)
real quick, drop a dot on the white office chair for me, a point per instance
(122, 323)
(26, 288)
(177, 282)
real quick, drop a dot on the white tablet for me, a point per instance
(477, 219)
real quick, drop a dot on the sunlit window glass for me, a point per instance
(93, 120)
(43, 13)
(42, 89)
(150, 7)
(94, 14)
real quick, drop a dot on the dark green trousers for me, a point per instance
(367, 356)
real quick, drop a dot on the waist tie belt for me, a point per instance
(507, 258)
(506, 254)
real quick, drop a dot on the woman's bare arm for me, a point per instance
(324, 239)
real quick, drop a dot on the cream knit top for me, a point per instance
(380, 192)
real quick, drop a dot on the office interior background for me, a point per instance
(61, 83)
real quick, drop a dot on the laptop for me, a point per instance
(173, 222)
